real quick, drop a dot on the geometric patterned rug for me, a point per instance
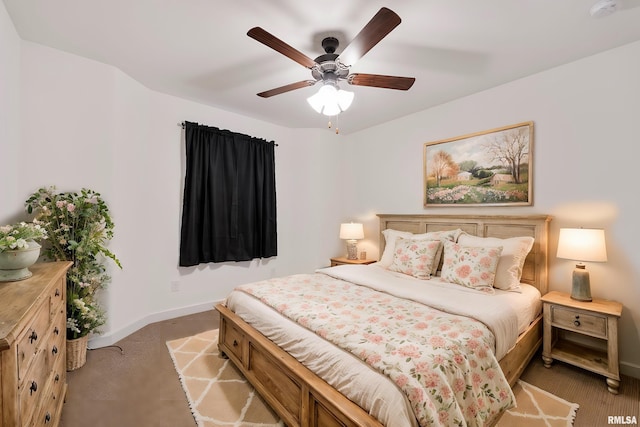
(219, 395)
(537, 407)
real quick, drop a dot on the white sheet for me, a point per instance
(358, 381)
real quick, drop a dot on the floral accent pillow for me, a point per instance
(471, 266)
(416, 257)
(391, 236)
(514, 254)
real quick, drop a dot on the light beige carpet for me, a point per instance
(219, 396)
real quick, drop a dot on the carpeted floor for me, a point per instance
(219, 396)
(139, 387)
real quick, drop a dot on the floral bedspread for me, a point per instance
(442, 362)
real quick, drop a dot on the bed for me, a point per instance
(297, 391)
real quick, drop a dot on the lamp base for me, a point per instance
(581, 287)
(352, 249)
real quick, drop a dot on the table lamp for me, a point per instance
(581, 244)
(351, 232)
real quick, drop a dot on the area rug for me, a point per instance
(217, 392)
(536, 407)
(220, 396)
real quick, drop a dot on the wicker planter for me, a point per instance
(77, 352)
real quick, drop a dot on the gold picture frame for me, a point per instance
(490, 168)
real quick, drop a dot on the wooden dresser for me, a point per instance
(32, 347)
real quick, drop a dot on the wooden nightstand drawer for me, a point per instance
(579, 321)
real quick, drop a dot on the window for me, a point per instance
(229, 202)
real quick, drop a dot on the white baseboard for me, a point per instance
(113, 337)
(630, 369)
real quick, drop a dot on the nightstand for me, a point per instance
(584, 334)
(343, 260)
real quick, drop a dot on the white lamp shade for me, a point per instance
(582, 244)
(330, 101)
(345, 99)
(351, 231)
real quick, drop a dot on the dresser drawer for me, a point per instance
(34, 385)
(56, 341)
(56, 298)
(52, 399)
(33, 339)
(579, 321)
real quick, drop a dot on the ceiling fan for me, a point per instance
(331, 67)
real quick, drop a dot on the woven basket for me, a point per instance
(77, 353)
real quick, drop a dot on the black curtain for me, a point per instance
(229, 202)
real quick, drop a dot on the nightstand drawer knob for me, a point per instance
(576, 322)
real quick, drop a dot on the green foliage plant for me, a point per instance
(79, 226)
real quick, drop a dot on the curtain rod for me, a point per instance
(183, 124)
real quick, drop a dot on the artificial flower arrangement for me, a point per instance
(79, 226)
(17, 236)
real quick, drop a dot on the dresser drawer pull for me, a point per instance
(47, 418)
(33, 337)
(56, 331)
(57, 294)
(57, 378)
(54, 350)
(33, 388)
(235, 343)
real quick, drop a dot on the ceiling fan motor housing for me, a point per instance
(328, 68)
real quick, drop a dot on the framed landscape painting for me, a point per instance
(490, 168)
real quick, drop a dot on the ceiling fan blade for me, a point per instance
(278, 45)
(380, 25)
(287, 88)
(377, 80)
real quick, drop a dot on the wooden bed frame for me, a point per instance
(301, 398)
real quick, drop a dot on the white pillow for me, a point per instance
(514, 253)
(416, 257)
(470, 266)
(391, 235)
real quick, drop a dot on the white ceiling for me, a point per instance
(199, 50)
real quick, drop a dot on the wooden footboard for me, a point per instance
(296, 394)
(299, 396)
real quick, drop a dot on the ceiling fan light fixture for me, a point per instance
(330, 101)
(603, 8)
(345, 98)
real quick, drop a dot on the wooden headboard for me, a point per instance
(535, 267)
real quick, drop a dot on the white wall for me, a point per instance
(86, 124)
(9, 115)
(585, 118)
